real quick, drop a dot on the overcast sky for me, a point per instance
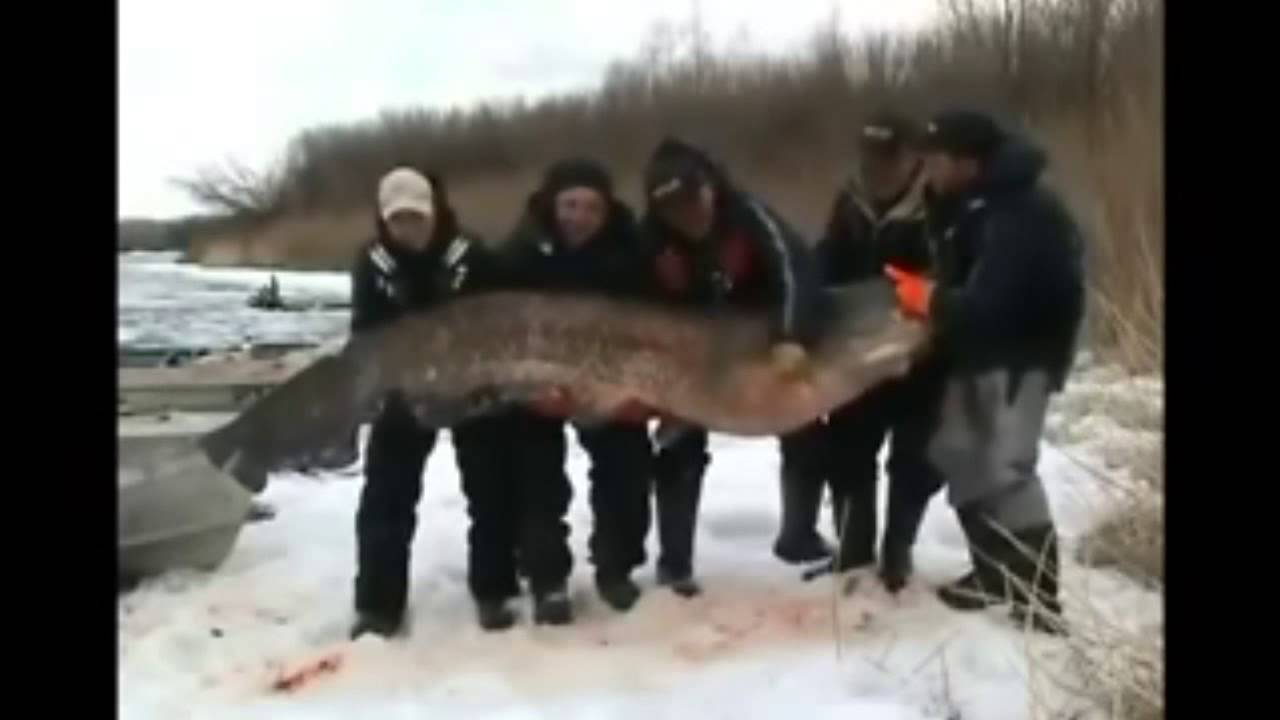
(203, 82)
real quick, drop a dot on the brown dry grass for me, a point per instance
(1130, 538)
(1124, 668)
(1108, 661)
(319, 242)
(1112, 663)
(1113, 177)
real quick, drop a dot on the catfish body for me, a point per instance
(479, 353)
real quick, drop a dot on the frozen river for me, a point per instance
(164, 303)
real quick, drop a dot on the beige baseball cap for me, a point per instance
(405, 189)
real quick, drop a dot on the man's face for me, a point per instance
(886, 174)
(580, 213)
(411, 229)
(692, 215)
(949, 174)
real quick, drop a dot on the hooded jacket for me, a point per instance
(536, 256)
(859, 241)
(752, 258)
(1011, 277)
(388, 280)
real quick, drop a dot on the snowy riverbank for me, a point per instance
(759, 643)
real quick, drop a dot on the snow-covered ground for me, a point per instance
(265, 635)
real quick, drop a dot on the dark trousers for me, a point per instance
(387, 515)
(386, 519)
(678, 472)
(538, 452)
(901, 409)
(622, 465)
(844, 452)
(482, 447)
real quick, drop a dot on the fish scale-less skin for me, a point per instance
(475, 353)
(554, 340)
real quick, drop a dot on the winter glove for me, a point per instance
(790, 360)
(672, 271)
(554, 402)
(914, 291)
(633, 412)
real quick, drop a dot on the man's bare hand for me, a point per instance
(790, 360)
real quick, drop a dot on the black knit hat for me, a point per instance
(577, 172)
(675, 169)
(963, 133)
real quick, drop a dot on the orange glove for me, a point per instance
(914, 291)
(555, 402)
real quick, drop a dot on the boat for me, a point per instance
(175, 509)
(154, 356)
(211, 382)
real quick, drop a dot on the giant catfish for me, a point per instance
(477, 353)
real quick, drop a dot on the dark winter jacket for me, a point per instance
(1011, 285)
(387, 280)
(535, 257)
(752, 259)
(859, 241)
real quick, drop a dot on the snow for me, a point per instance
(759, 642)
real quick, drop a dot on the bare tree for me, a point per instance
(233, 189)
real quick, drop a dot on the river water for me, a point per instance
(161, 302)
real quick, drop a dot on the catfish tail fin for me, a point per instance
(315, 410)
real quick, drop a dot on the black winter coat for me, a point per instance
(388, 281)
(536, 258)
(753, 259)
(1011, 277)
(859, 242)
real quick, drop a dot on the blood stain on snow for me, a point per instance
(735, 628)
(293, 680)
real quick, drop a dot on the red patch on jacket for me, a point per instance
(737, 257)
(673, 270)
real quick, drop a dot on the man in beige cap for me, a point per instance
(407, 204)
(419, 258)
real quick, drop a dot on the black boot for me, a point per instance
(974, 591)
(1019, 568)
(855, 521)
(552, 608)
(985, 585)
(798, 539)
(382, 624)
(618, 591)
(682, 585)
(903, 525)
(1035, 594)
(856, 526)
(494, 614)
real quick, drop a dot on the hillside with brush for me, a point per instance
(1084, 77)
